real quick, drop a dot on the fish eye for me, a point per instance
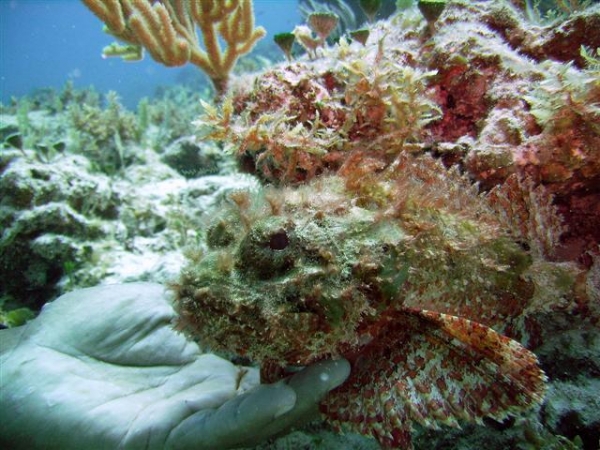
(279, 240)
(269, 249)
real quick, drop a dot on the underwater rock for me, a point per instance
(193, 159)
(50, 217)
(563, 42)
(572, 410)
(38, 247)
(533, 117)
(26, 183)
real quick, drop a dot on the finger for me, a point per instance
(10, 339)
(123, 324)
(238, 421)
(311, 385)
(314, 382)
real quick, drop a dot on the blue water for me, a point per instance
(44, 43)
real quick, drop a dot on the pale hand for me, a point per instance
(103, 368)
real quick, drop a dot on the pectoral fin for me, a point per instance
(433, 369)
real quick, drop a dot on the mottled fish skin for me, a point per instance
(432, 368)
(406, 290)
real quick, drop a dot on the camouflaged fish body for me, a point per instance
(402, 284)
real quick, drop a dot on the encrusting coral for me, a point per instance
(369, 105)
(167, 30)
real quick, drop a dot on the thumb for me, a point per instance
(239, 421)
(311, 385)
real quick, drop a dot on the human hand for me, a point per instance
(103, 368)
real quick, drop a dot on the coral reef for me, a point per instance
(72, 218)
(100, 128)
(427, 207)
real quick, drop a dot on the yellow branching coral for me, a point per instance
(167, 30)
